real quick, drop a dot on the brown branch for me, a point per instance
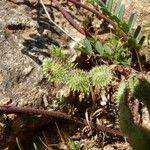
(98, 14)
(69, 17)
(138, 60)
(101, 16)
(55, 114)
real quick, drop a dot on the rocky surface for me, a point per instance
(26, 38)
(23, 46)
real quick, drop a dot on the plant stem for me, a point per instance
(44, 7)
(55, 114)
(101, 16)
(68, 17)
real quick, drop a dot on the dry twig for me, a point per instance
(57, 24)
(55, 114)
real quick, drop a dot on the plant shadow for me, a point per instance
(38, 44)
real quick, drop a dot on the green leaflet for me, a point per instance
(121, 12)
(117, 8)
(131, 21)
(142, 40)
(99, 48)
(107, 49)
(137, 32)
(109, 5)
(88, 46)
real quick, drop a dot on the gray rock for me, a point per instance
(23, 46)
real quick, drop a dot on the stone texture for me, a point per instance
(23, 46)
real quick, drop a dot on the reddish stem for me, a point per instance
(69, 18)
(56, 114)
(101, 16)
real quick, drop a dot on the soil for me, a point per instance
(26, 39)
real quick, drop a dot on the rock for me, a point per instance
(21, 78)
(27, 70)
(5, 101)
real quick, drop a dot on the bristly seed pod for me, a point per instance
(54, 71)
(101, 76)
(79, 81)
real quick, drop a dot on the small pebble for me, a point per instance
(27, 70)
(5, 101)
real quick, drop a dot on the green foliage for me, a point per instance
(54, 71)
(117, 8)
(99, 48)
(125, 117)
(76, 79)
(119, 53)
(109, 5)
(101, 76)
(137, 32)
(114, 50)
(57, 52)
(131, 21)
(138, 87)
(88, 46)
(73, 145)
(121, 13)
(116, 13)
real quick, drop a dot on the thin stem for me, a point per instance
(101, 16)
(68, 17)
(57, 24)
(138, 60)
(55, 114)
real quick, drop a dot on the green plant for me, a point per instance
(57, 53)
(139, 88)
(100, 76)
(61, 71)
(77, 79)
(116, 13)
(113, 50)
(54, 71)
(125, 40)
(73, 145)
